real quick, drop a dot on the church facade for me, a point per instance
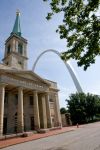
(27, 101)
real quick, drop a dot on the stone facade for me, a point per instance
(27, 101)
(27, 108)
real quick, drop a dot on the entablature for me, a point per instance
(23, 83)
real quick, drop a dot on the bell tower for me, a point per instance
(16, 47)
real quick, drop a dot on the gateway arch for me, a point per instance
(68, 66)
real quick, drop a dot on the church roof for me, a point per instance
(17, 28)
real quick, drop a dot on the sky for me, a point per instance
(41, 35)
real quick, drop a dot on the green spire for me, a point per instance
(17, 28)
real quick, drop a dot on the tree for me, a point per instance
(83, 107)
(76, 107)
(80, 27)
(91, 105)
(63, 110)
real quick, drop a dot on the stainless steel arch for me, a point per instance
(68, 66)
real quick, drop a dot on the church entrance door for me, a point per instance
(32, 123)
(5, 125)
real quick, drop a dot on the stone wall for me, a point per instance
(10, 112)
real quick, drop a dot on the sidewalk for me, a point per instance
(18, 140)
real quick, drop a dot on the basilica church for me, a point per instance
(27, 101)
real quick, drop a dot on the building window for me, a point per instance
(6, 98)
(16, 99)
(19, 62)
(31, 100)
(20, 48)
(51, 100)
(53, 120)
(7, 63)
(8, 49)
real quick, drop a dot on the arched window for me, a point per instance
(8, 49)
(20, 48)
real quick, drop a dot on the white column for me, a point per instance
(20, 110)
(36, 111)
(49, 123)
(57, 111)
(44, 111)
(2, 96)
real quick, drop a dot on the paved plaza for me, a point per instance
(86, 137)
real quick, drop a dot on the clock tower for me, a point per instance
(16, 47)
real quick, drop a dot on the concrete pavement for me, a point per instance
(17, 140)
(86, 137)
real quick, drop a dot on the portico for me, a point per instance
(15, 99)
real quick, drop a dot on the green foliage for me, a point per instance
(80, 27)
(92, 105)
(83, 107)
(63, 110)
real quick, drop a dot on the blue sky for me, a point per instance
(41, 36)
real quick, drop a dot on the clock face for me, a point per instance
(20, 48)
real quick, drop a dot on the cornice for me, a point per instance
(14, 35)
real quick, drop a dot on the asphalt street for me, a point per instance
(84, 138)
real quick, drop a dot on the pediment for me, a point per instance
(24, 75)
(29, 75)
